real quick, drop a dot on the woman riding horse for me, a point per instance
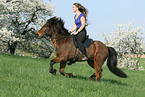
(97, 53)
(79, 26)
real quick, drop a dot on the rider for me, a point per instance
(79, 27)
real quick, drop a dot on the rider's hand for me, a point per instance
(75, 33)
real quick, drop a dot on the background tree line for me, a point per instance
(21, 19)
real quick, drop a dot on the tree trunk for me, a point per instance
(12, 47)
(137, 61)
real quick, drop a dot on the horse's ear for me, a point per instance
(59, 19)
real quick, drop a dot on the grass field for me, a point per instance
(29, 77)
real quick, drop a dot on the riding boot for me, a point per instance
(84, 58)
(76, 56)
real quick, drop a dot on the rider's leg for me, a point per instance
(80, 37)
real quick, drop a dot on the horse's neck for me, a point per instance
(57, 36)
(57, 40)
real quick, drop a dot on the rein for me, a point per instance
(59, 38)
(54, 40)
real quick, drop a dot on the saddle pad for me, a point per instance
(87, 43)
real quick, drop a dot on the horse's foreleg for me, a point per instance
(52, 62)
(61, 70)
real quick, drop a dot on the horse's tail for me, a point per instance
(112, 62)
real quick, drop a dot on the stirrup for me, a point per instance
(76, 57)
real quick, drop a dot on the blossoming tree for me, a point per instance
(20, 19)
(129, 43)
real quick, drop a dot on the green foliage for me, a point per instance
(30, 77)
(40, 47)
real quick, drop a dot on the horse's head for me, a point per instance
(52, 26)
(45, 30)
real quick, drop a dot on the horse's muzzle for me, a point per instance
(36, 35)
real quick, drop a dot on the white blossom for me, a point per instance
(127, 39)
(15, 15)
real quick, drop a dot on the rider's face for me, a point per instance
(74, 8)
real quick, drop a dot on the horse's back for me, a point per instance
(98, 48)
(99, 44)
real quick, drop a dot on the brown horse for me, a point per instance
(97, 53)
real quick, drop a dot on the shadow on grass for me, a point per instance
(113, 82)
(101, 80)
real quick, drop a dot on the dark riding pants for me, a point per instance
(79, 39)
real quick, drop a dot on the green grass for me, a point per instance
(142, 61)
(29, 77)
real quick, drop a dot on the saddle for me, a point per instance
(88, 41)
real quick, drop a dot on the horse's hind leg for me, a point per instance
(61, 70)
(91, 63)
(97, 67)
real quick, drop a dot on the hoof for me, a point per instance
(70, 63)
(53, 71)
(92, 77)
(70, 75)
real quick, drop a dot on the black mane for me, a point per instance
(58, 23)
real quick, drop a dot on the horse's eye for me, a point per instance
(46, 30)
(46, 25)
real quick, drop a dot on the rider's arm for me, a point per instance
(74, 28)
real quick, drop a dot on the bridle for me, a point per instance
(59, 38)
(56, 38)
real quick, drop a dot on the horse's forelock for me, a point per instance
(55, 21)
(58, 23)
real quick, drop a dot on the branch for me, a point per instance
(31, 29)
(16, 22)
(29, 22)
(8, 1)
